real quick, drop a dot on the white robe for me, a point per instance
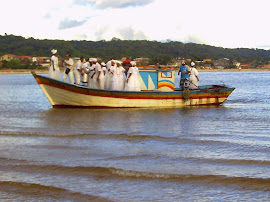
(100, 81)
(104, 72)
(70, 74)
(108, 75)
(77, 73)
(92, 77)
(85, 72)
(193, 81)
(133, 83)
(54, 73)
(118, 79)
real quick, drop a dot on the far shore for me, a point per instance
(38, 71)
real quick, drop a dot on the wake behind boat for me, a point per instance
(158, 91)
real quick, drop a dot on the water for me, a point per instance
(189, 154)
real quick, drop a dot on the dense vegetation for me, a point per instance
(117, 48)
(16, 64)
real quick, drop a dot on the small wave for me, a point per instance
(193, 140)
(243, 182)
(44, 192)
(230, 161)
(111, 172)
(123, 136)
(9, 160)
(242, 162)
(66, 135)
(244, 101)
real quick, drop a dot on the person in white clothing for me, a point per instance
(54, 71)
(103, 74)
(99, 76)
(118, 79)
(68, 64)
(104, 69)
(133, 82)
(77, 71)
(92, 79)
(84, 75)
(193, 77)
(109, 65)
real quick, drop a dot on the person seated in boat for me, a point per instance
(184, 78)
(68, 64)
(77, 71)
(84, 76)
(133, 82)
(109, 66)
(193, 77)
(54, 71)
(118, 79)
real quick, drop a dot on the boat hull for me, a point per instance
(61, 94)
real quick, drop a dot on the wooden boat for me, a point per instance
(61, 94)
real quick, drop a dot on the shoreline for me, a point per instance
(28, 71)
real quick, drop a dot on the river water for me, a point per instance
(189, 154)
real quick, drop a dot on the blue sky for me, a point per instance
(224, 23)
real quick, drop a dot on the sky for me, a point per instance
(222, 23)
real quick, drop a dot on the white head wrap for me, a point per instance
(94, 59)
(118, 61)
(53, 51)
(192, 64)
(133, 63)
(103, 64)
(90, 59)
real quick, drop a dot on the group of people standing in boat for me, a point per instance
(110, 76)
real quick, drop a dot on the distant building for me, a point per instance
(266, 67)
(237, 64)
(220, 67)
(41, 60)
(8, 57)
(23, 59)
(223, 62)
(142, 61)
(245, 65)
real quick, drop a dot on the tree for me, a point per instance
(161, 59)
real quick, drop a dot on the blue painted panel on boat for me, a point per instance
(149, 75)
(144, 76)
(154, 77)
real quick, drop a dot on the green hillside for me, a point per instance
(117, 48)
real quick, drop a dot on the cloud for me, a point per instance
(103, 4)
(66, 23)
(79, 37)
(194, 39)
(47, 15)
(101, 32)
(128, 33)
